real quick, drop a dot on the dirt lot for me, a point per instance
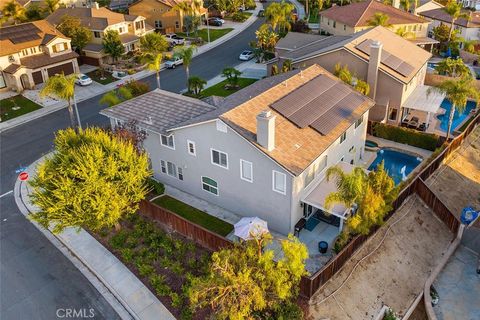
(457, 181)
(394, 275)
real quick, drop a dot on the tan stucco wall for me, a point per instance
(153, 10)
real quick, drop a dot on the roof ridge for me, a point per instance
(364, 11)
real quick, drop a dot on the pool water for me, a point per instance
(458, 118)
(371, 144)
(394, 162)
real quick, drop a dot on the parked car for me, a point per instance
(246, 55)
(173, 38)
(173, 62)
(83, 80)
(217, 22)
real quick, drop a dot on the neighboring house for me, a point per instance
(31, 52)
(100, 20)
(355, 17)
(468, 29)
(426, 5)
(161, 14)
(392, 66)
(263, 151)
(471, 4)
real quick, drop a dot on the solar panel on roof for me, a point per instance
(322, 104)
(20, 33)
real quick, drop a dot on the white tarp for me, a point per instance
(249, 227)
(422, 101)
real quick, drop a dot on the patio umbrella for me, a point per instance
(250, 227)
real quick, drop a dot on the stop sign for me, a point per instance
(23, 176)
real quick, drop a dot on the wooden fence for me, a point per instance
(172, 221)
(310, 285)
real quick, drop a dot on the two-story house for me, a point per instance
(100, 20)
(468, 29)
(162, 14)
(263, 151)
(31, 52)
(393, 67)
(356, 17)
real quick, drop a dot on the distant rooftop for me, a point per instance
(441, 15)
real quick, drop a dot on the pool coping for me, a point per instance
(438, 130)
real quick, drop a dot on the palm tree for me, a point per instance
(196, 85)
(457, 91)
(154, 64)
(406, 4)
(402, 32)
(379, 19)
(186, 53)
(50, 6)
(454, 10)
(63, 87)
(350, 187)
(12, 10)
(280, 15)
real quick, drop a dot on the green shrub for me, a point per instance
(146, 270)
(341, 241)
(158, 283)
(177, 300)
(127, 254)
(137, 88)
(389, 315)
(131, 241)
(157, 187)
(176, 267)
(118, 240)
(407, 136)
(239, 17)
(186, 313)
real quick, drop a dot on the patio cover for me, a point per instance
(316, 197)
(420, 100)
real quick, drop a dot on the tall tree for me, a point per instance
(154, 63)
(186, 53)
(280, 15)
(33, 13)
(243, 281)
(13, 11)
(112, 45)
(454, 10)
(379, 19)
(457, 91)
(72, 190)
(62, 87)
(50, 6)
(153, 43)
(72, 28)
(452, 68)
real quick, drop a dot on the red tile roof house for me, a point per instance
(394, 68)
(262, 151)
(355, 17)
(469, 29)
(31, 52)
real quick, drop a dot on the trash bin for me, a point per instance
(322, 246)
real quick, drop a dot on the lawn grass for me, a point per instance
(6, 107)
(214, 34)
(95, 76)
(194, 215)
(219, 88)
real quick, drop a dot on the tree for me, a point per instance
(62, 87)
(280, 15)
(266, 40)
(154, 63)
(189, 10)
(362, 86)
(344, 74)
(153, 43)
(274, 71)
(72, 28)
(379, 19)
(232, 75)
(13, 11)
(402, 32)
(370, 195)
(469, 45)
(33, 13)
(454, 10)
(287, 66)
(457, 91)
(186, 53)
(49, 6)
(196, 85)
(71, 189)
(112, 44)
(243, 281)
(452, 67)
(406, 4)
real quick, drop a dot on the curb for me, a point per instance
(60, 105)
(121, 307)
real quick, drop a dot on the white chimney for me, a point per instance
(396, 4)
(373, 65)
(266, 130)
(95, 5)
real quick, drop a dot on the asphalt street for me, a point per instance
(36, 278)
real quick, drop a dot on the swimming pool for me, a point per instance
(397, 164)
(457, 118)
(371, 144)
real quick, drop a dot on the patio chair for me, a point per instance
(422, 127)
(413, 123)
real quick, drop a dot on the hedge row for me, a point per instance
(411, 137)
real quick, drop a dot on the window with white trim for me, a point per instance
(180, 173)
(343, 137)
(358, 122)
(191, 148)
(279, 182)
(210, 185)
(168, 141)
(171, 169)
(219, 158)
(163, 166)
(246, 170)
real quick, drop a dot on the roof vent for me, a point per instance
(148, 120)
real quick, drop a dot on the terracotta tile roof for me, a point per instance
(92, 18)
(40, 32)
(358, 14)
(441, 15)
(170, 3)
(295, 148)
(41, 60)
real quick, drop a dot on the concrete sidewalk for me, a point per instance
(53, 106)
(131, 298)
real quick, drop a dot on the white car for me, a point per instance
(246, 55)
(173, 62)
(83, 80)
(173, 38)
